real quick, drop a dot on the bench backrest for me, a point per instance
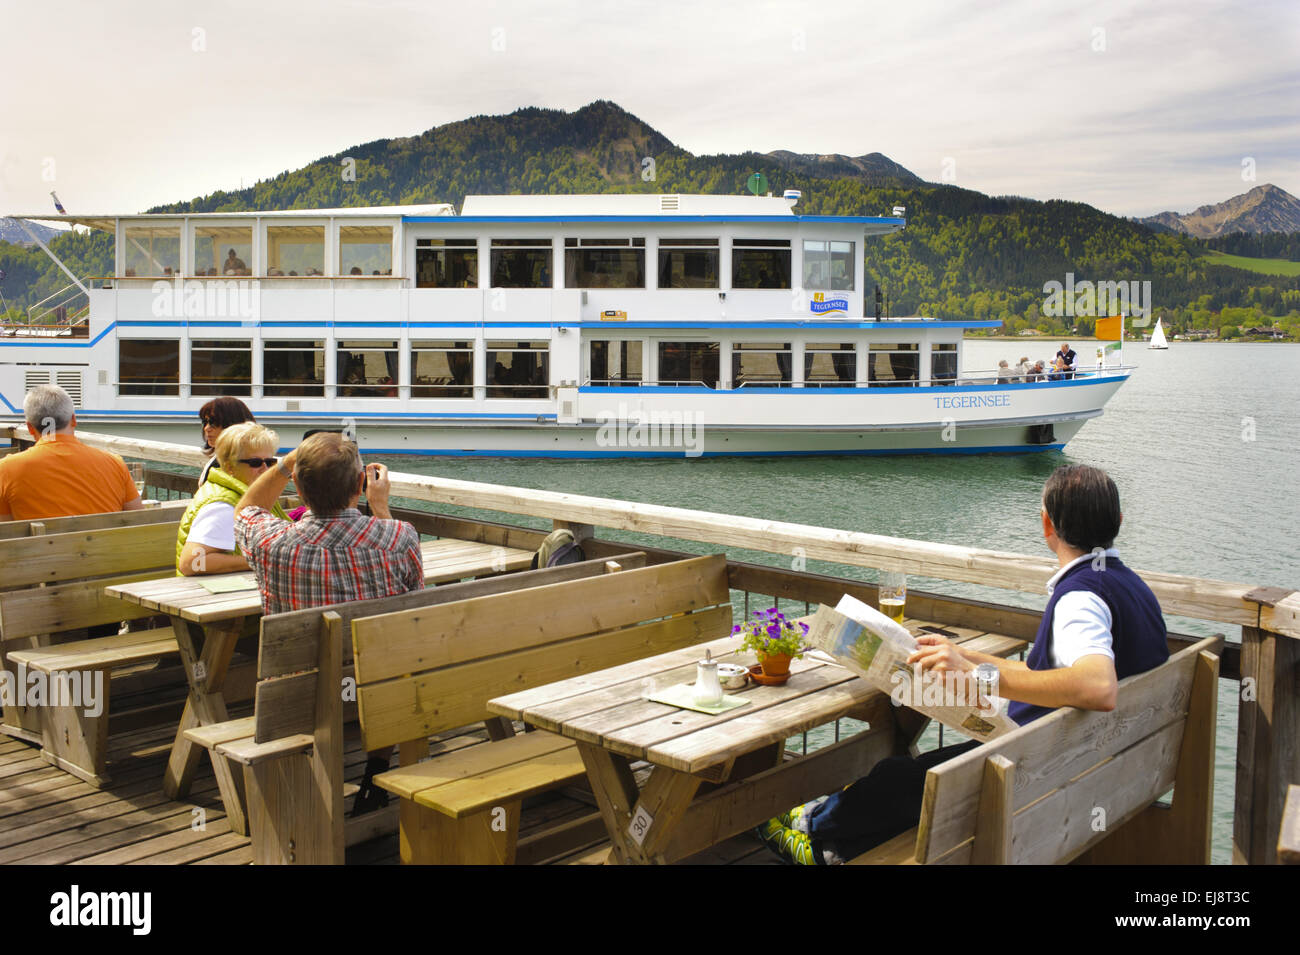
(1034, 795)
(75, 568)
(289, 647)
(422, 671)
(167, 511)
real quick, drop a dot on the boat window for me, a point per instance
(829, 365)
(689, 363)
(943, 363)
(442, 369)
(365, 250)
(518, 369)
(521, 263)
(688, 263)
(616, 363)
(828, 265)
(604, 263)
(148, 367)
(293, 369)
(760, 263)
(295, 250)
(221, 367)
(893, 363)
(367, 369)
(760, 363)
(446, 263)
(153, 251)
(223, 250)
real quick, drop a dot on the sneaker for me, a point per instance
(793, 847)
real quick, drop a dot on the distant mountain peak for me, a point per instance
(872, 166)
(1265, 208)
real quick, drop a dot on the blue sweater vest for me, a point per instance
(1138, 637)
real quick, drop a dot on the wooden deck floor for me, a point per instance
(48, 817)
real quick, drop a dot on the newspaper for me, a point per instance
(876, 648)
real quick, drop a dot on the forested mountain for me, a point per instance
(963, 254)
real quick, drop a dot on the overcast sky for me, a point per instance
(1134, 107)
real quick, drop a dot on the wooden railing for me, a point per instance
(1267, 663)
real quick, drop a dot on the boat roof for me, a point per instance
(638, 207)
(107, 222)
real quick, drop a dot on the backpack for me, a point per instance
(558, 548)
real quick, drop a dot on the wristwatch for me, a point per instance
(279, 466)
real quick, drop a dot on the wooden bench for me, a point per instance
(163, 513)
(292, 747)
(420, 673)
(1079, 785)
(56, 589)
(1288, 836)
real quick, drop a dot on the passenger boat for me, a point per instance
(558, 326)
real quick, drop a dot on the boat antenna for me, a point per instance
(57, 204)
(757, 183)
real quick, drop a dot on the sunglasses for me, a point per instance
(258, 462)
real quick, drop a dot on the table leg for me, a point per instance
(664, 800)
(616, 793)
(206, 673)
(184, 758)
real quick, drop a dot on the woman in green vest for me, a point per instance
(205, 543)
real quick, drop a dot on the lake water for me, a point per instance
(1202, 442)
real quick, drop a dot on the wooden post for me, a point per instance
(1268, 729)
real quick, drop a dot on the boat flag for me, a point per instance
(58, 205)
(1110, 330)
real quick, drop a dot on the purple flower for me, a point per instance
(805, 627)
(736, 629)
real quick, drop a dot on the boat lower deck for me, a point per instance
(49, 817)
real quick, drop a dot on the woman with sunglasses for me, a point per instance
(205, 543)
(217, 415)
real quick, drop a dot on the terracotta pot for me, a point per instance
(775, 664)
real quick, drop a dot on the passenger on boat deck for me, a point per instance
(217, 415)
(1037, 373)
(205, 540)
(1068, 359)
(335, 554)
(1023, 368)
(234, 264)
(1004, 372)
(59, 476)
(1102, 624)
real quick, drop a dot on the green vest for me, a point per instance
(219, 486)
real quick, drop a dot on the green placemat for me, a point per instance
(683, 695)
(228, 583)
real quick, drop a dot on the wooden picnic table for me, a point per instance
(712, 776)
(208, 625)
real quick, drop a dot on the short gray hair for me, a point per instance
(48, 404)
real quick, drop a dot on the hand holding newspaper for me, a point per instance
(876, 648)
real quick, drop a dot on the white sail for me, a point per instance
(1158, 337)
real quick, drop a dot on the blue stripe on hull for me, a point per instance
(491, 453)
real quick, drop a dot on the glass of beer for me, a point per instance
(893, 594)
(137, 475)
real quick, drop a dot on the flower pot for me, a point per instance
(776, 664)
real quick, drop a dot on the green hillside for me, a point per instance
(963, 255)
(1262, 266)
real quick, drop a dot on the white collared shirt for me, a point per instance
(1082, 621)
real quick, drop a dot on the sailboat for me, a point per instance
(1158, 337)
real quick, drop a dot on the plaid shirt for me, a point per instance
(320, 561)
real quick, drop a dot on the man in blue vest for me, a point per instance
(1102, 623)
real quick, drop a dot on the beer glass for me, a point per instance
(893, 594)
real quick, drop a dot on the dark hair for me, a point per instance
(327, 470)
(223, 412)
(1083, 504)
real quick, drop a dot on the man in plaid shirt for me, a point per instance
(335, 554)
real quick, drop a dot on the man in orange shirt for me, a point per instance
(60, 476)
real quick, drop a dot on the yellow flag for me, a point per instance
(1110, 329)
